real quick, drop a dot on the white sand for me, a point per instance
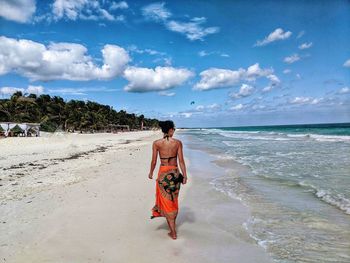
(66, 206)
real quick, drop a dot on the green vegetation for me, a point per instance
(54, 113)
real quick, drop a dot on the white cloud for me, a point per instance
(347, 63)
(19, 10)
(291, 59)
(156, 12)
(119, 5)
(254, 71)
(81, 91)
(214, 106)
(10, 90)
(81, 9)
(311, 101)
(192, 29)
(305, 100)
(316, 101)
(273, 79)
(160, 78)
(301, 33)
(219, 78)
(222, 78)
(244, 91)
(287, 71)
(208, 108)
(35, 89)
(201, 110)
(134, 48)
(274, 82)
(70, 91)
(59, 60)
(267, 88)
(161, 57)
(276, 35)
(299, 100)
(186, 114)
(305, 45)
(31, 89)
(237, 107)
(204, 53)
(168, 94)
(167, 61)
(344, 90)
(258, 107)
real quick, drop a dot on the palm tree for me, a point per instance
(54, 112)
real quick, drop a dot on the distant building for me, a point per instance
(19, 129)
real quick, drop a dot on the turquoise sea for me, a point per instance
(295, 180)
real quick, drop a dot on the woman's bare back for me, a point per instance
(168, 148)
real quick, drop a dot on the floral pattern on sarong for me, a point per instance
(169, 184)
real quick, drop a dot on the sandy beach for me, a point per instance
(87, 198)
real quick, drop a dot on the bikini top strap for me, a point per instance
(168, 157)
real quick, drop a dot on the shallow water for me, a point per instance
(296, 183)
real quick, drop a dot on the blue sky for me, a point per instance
(199, 63)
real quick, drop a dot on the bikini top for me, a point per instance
(168, 157)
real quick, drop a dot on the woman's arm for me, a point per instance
(154, 160)
(182, 162)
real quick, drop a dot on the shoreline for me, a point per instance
(105, 217)
(238, 213)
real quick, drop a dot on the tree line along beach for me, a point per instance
(52, 114)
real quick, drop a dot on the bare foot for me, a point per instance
(173, 236)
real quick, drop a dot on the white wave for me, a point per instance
(270, 135)
(224, 157)
(330, 138)
(337, 200)
(300, 135)
(288, 153)
(264, 243)
(251, 132)
(213, 130)
(322, 138)
(229, 143)
(327, 196)
(227, 192)
(248, 136)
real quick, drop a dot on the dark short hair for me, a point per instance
(166, 125)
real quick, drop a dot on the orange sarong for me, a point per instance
(167, 192)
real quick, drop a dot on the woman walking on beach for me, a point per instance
(169, 177)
